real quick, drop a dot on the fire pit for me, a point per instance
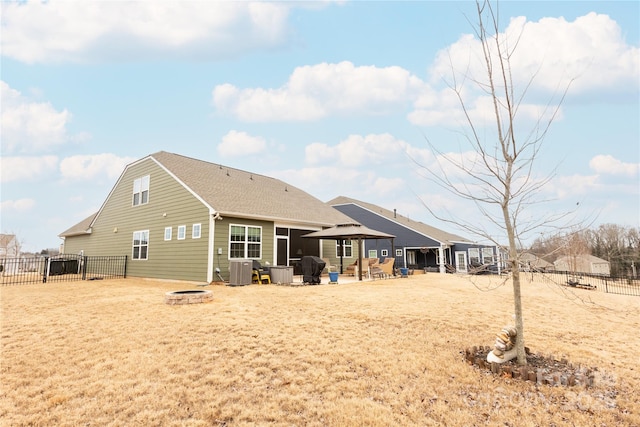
(188, 297)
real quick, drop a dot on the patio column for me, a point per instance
(443, 269)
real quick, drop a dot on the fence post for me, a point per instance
(125, 266)
(83, 260)
(45, 273)
(606, 285)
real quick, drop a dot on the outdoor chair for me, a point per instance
(259, 275)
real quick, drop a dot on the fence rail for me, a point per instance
(609, 284)
(16, 271)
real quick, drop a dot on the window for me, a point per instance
(411, 257)
(167, 233)
(140, 244)
(141, 191)
(487, 255)
(474, 256)
(348, 248)
(245, 242)
(182, 232)
(384, 253)
(398, 252)
(195, 231)
(373, 253)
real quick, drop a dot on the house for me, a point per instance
(417, 245)
(181, 218)
(9, 254)
(583, 264)
(9, 247)
(531, 262)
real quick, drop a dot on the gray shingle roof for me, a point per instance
(235, 192)
(80, 228)
(420, 227)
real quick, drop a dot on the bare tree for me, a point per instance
(499, 179)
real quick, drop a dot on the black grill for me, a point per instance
(312, 267)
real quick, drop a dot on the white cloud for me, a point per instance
(606, 164)
(20, 205)
(588, 55)
(386, 186)
(82, 167)
(235, 144)
(357, 150)
(574, 185)
(29, 126)
(64, 31)
(590, 49)
(316, 91)
(20, 169)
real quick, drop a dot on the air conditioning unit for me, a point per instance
(240, 272)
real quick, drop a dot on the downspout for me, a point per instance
(211, 250)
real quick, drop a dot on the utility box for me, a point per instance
(240, 272)
(281, 274)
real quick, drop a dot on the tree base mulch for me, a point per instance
(540, 369)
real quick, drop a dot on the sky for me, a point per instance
(337, 98)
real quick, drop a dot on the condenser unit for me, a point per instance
(240, 272)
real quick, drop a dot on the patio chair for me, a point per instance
(260, 275)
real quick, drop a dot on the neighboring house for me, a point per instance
(9, 253)
(181, 218)
(583, 264)
(417, 245)
(9, 247)
(531, 262)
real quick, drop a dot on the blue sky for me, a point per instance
(337, 98)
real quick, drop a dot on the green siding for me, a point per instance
(330, 252)
(112, 232)
(221, 240)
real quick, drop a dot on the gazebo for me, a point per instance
(352, 231)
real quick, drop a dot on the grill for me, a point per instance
(312, 267)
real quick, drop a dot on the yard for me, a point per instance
(112, 353)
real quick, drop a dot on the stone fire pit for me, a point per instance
(188, 297)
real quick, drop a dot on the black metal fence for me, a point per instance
(23, 270)
(608, 284)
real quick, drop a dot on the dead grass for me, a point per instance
(111, 353)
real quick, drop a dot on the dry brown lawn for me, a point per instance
(112, 353)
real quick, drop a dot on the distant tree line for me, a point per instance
(614, 243)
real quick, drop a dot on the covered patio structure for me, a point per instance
(353, 231)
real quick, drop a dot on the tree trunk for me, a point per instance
(515, 278)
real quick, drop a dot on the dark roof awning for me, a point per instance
(351, 231)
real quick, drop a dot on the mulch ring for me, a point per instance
(539, 369)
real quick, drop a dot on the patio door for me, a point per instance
(282, 251)
(461, 262)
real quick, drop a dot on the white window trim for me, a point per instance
(193, 231)
(476, 251)
(182, 231)
(491, 260)
(384, 252)
(140, 185)
(399, 252)
(245, 242)
(133, 246)
(348, 247)
(168, 233)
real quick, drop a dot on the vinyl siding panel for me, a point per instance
(112, 232)
(221, 241)
(330, 252)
